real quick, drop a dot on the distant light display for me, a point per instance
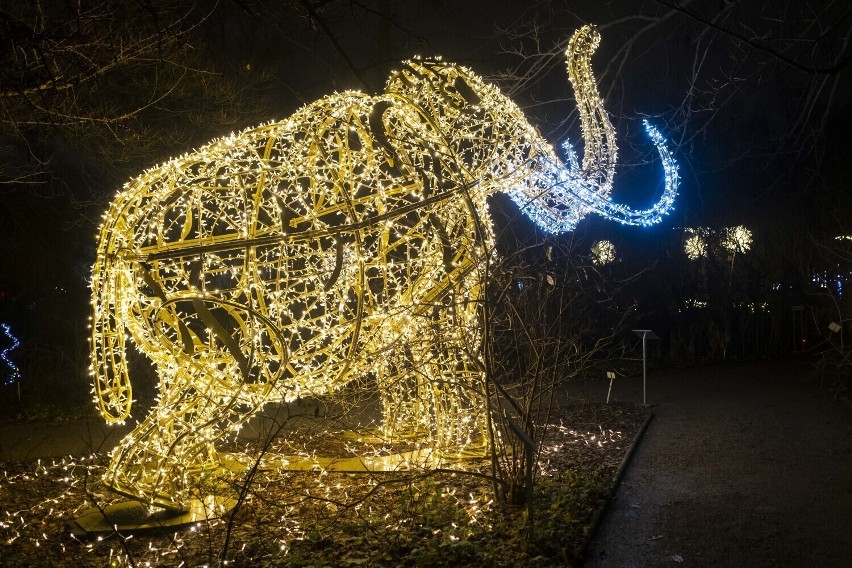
(13, 374)
(347, 242)
(603, 252)
(695, 246)
(737, 239)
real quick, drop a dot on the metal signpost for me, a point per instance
(611, 376)
(645, 334)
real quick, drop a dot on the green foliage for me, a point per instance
(565, 506)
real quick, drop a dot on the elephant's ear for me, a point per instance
(379, 130)
(464, 89)
(223, 335)
(154, 287)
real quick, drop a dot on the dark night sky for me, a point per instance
(746, 138)
(757, 125)
(753, 96)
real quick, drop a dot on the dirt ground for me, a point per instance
(743, 465)
(295, 515)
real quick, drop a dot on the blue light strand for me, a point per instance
(560, 196)
(5, 356)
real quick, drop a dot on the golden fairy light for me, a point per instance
(343, 243)
(603, 252)
(695, 245)
(737, 239)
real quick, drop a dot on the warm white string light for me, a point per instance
(603, 252)
(347, 241)
(737, 239)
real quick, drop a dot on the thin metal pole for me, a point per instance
(644, 369)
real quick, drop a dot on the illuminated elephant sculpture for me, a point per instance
(345, 242)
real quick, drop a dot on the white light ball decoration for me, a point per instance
(737, 239)
(695, 246)
(347, 241)
(603, 252)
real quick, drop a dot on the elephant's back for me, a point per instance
(296, 232)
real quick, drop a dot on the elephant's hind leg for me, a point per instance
(171, 454)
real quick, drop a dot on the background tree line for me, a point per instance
(92, 93)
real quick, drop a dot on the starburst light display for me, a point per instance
(345, 243)
(695, 245)
(737, 239)
(603, 252)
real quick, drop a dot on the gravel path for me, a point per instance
(743, 465)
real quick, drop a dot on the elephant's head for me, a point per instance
(451, 125)
(560, 193)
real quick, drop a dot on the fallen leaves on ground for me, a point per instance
(327, 518)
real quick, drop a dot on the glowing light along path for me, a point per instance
(4, 356)
(344, 243)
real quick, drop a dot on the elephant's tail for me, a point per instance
(113, 393)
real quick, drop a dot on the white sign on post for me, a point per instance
(611, 376)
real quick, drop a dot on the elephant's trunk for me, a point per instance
(652, 215)
(558, 195)
(592, 185)
(113, 392)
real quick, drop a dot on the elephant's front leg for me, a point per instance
(433, 389)
(456, 387)
(164, 459)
